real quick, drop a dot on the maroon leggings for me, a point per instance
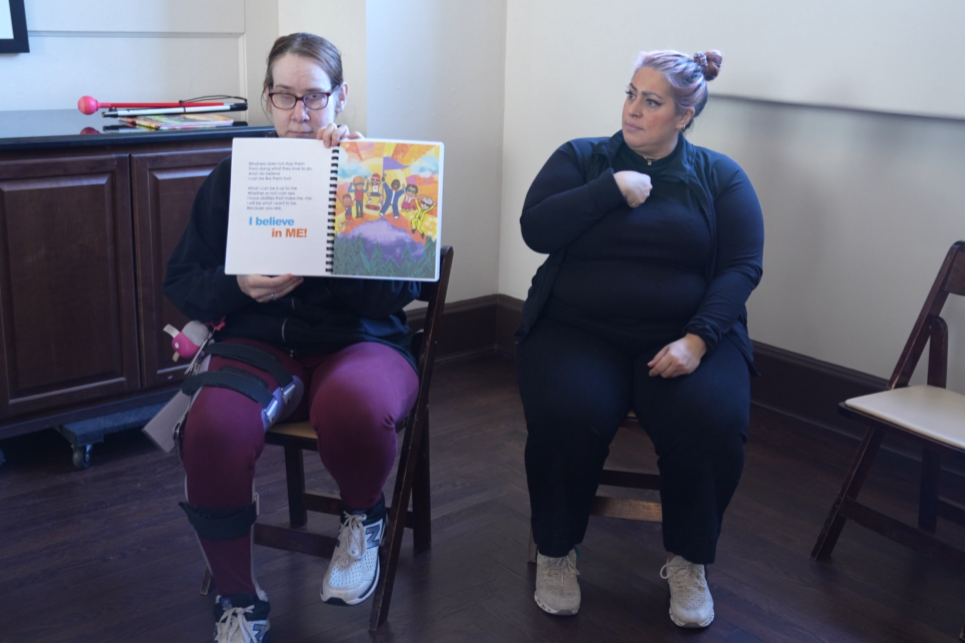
(354, 399)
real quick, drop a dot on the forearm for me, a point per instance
(720, 308)
(561, 205)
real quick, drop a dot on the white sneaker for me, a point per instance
(242, 618)
(354, 569)
(557, 590)
(691, 604)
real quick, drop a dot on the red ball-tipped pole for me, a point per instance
(89, 105)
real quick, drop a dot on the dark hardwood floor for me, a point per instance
(106, 555)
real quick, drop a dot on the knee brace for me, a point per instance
(166, 428)
(274, 404)
(221, 525)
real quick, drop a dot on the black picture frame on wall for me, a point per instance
(18, 44)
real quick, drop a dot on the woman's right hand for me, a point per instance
(634, 186)
(263, 289)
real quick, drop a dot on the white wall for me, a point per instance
(436, 73)
(163, 50)
(863, 54)
(859, 207)
(342, 22)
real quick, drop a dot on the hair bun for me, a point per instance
(709, 63)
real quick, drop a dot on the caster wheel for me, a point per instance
(82, 457)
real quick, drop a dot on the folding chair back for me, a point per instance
(928, 414)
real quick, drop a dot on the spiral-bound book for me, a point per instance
(369, 208)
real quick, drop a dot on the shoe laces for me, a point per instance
(684, 575)
(557, 567)
(233, 626)
(351, 538)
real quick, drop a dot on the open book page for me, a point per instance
(278, 220)
(370, 209)
(389, 210)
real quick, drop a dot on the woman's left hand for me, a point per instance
(681, 357)
(333, 134)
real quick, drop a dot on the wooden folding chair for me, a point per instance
(624, 508)
(412, 477)
(928, 414)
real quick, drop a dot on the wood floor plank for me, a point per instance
(106, 555)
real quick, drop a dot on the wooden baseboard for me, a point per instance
(508, 313)
(468, 327)
(807, 389)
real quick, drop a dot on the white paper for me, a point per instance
(278, 218)
(6, 22)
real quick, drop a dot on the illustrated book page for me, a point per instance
(366, 209)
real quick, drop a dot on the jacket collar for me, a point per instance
(683, 165)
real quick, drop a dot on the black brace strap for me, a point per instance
(245, 383)
(253, 356)
(221, 525)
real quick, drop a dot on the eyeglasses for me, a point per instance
(288, 101)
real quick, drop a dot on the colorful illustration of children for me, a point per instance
(392, 195)
(425, 206)
(358, 187)
(410, 202)
(347, 204)
(374, 201)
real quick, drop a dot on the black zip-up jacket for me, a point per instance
(576, 188)
(321, 316)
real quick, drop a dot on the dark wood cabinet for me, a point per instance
(85, 232)
(68, 326)
(164, 189)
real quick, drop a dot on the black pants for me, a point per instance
(577, 388)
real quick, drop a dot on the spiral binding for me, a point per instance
(330, 228)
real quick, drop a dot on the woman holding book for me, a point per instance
(654, 246)
(347, 340)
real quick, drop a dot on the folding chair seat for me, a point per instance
(928, 414)
(412, 476)
(616, 507)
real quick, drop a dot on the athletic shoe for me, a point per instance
(691, 604)
(557, 590)
(241, 619)
(354, 569)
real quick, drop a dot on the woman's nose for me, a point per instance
(300, 112)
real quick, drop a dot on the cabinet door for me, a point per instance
(164, 189)
(67, 306)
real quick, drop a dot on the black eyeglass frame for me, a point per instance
(327, 95)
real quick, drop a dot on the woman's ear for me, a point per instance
(684, 119)
(342, 97)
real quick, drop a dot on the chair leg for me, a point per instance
(392, 542)
(860, 466)
(207, 582)
(295, 476)
(931, 460)
(421, 502)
